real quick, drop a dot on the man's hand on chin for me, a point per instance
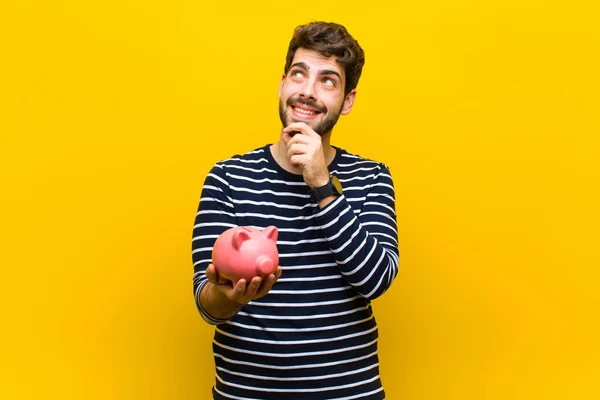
(305, 152)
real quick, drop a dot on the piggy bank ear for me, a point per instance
(239, 237)
(271, 233)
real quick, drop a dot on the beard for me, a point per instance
(322, 128)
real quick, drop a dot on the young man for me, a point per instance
(307, 331)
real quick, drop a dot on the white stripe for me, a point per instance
(242, 189)
(263, 180)
(376, 286)
(252, 169)
(320, 389)
(375, 223)
(359, 248)
(303, 317)
(299, 366)
(260, 160)
(386, 185)
(359, 266)
(295, 243)
(372, 203)
(205, 199)
(296, 342)
(205, 224)
(301, 267)
(198, 250)
(219, 212)
(299, 378)
(362, 161)
(356, 170)
(278, 217)
(271, 204)
(358, 396)
(296, 330)
(218, 178)
(351, 239)
(307, 354)
(292, 305)
(357, 178)
(356, 188)
(340, 289)
(395, 243)
(387, 196)
(310, 278)
(379, 213)
(202, 237)
(333, 205)
(232, 397)
(372, 271)
(344, 228)
(211, 187)
(305, 254)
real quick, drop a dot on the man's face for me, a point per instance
(313, 92)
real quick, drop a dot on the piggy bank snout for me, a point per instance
(264, 265)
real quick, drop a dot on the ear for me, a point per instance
(281, 86)
(349, 102)
(239, 237)
(271, 233)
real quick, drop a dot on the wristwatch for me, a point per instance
(333, 187)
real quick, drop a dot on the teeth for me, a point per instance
(303, 111)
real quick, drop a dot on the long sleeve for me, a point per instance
(365, 246)
(215, 215)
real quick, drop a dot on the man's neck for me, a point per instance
(279, 152)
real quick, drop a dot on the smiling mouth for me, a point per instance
(304, 111)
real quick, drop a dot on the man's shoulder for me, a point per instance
(353, 161)
(251, 158)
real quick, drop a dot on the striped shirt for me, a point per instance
(314, 335)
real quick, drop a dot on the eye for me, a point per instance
(329, 82)
(297, 74)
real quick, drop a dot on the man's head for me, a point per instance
(322, 69)
(329, 39)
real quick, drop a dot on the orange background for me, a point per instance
(487, 112)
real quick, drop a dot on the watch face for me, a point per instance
(336, 184)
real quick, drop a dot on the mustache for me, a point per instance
(292, 101)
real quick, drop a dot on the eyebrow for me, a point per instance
(321, 72)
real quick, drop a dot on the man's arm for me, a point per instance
(365, 246)
(217, 300)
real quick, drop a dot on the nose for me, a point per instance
(307, 92)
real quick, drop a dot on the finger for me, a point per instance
(253, 288)
(211, 273)
(286, 137)
(300, 139)
(297, 148)
(298, 160)
(237, 293)
(266, 286)
(278, 273)
(268, 283)
(302, 127)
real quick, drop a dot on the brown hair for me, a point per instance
(329, 39)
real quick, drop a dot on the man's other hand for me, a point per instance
(243, 292)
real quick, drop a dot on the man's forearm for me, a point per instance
(216, 304)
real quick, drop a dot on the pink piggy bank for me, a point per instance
(244, 252)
